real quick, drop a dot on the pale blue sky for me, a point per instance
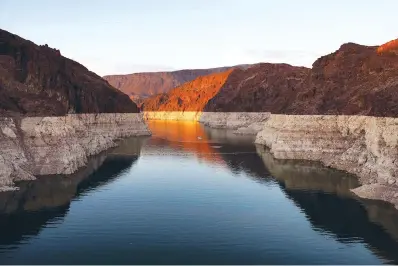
(125, 36)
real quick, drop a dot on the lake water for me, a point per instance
(191, 195)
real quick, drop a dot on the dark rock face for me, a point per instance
(144, 85)
(354, 80)
(261, 88)
(38, 80)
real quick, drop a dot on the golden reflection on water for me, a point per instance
(186, 136)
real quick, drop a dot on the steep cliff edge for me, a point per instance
(361, 145)
(59, 145)
(39, 81)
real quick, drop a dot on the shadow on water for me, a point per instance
(23, 213)
(324, 196)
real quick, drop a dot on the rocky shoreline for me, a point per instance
(362, 145)
(33, 146)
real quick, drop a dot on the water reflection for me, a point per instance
(308, 176)
(321, 195)
(215, 146)
(23, 213)
(181, 139)
(324, 195)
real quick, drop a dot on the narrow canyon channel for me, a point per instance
(194, 195)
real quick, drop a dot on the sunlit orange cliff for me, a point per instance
(391, 46)
(191, 96)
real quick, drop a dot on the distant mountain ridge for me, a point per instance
(146, 84)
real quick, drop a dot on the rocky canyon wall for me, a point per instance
(36, 80)
(362, 145)
(59, 145)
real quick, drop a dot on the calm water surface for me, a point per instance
(191, 195)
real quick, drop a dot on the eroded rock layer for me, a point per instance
(361, 145)
(59, 145)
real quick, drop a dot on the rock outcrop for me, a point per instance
(59, 145)
(361, 145)
(39, 81)
(143, 85)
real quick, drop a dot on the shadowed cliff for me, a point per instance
(38, 80)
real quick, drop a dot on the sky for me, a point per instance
(129, 36)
